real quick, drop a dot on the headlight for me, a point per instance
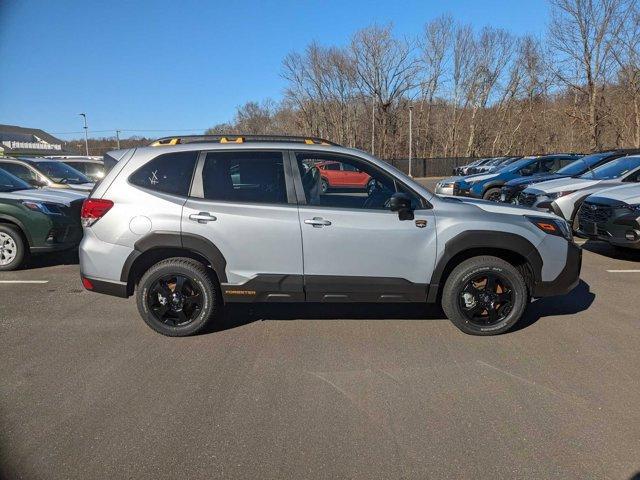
(635, 208)
(553, 196)
(46, 208)
(552, 226)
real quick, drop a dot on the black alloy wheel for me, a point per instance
(486, 299)
(175, 300)
(485, 295)
(179, 297)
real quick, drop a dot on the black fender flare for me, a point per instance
(188, 241)
(474, 239)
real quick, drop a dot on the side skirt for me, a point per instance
(324, 288)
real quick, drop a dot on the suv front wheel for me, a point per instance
(12, 248)
(177, 297)
(485, 296)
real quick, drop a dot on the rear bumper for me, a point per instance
(107, 287)
(568, 278)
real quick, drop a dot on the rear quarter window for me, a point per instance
(169, 173)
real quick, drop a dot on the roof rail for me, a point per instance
(239, 139)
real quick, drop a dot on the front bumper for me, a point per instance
(568, 278)
(62, 235)
(510, 194)
(463, 190)
(444, 190)
(614, 231)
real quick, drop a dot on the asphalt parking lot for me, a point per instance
(87, 390)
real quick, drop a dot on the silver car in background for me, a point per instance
(565, 195)
(445, 186)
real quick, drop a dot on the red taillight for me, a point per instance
(93, 209)
(86, 283)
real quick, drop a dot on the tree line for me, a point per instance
(471, 92)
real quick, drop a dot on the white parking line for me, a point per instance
(623, 271)
(24, 281)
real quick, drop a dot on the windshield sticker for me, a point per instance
(153, 179)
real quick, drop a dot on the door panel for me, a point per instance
(355, 247)
(258, 242)
(243, 202)
(366, 255)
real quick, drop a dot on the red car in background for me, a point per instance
(341, 175)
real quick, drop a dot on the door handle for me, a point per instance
(317, 222)
(202, 217)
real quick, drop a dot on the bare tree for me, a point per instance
(628, 59)
(434, 45)
(493, 53)
(385, 70)
(463, 59)
(583, 34)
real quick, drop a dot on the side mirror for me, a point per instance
(526, 172)
(401, 203)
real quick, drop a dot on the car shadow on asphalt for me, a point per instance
(237, 315)
(65, 257)
(607, 250)
(576, 301)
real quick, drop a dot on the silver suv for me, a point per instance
(191, 223)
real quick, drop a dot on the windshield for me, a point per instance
(582, 164)
(614, 169)
(62, 173)
(518, 164)
(10, 183)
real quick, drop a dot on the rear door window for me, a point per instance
(244, 177)
(169, 173)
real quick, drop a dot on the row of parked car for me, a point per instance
(597, 194)
(40, 203)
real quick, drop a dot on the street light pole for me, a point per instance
(118, 138)
(410, 140)
(86, 135)
(373, 125)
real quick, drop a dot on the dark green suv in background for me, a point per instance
(35, 221)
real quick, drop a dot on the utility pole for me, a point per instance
(410, 140)
(118, 138)
(86, 135)
(373, 125)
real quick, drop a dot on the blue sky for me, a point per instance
(161, 65)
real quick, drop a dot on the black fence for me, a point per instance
(430, 167)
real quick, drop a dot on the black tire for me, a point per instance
(492, 194)
(324, 186)
(510, 283)
(196, 278)
(12, 248)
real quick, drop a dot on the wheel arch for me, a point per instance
(492, 184)
(510, 247)
(9, 220)
(158, 246)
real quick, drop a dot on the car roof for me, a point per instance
(209, 146)
(78, 160)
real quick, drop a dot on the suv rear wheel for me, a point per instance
(485, 296)
(12, 248)
(177, 297)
